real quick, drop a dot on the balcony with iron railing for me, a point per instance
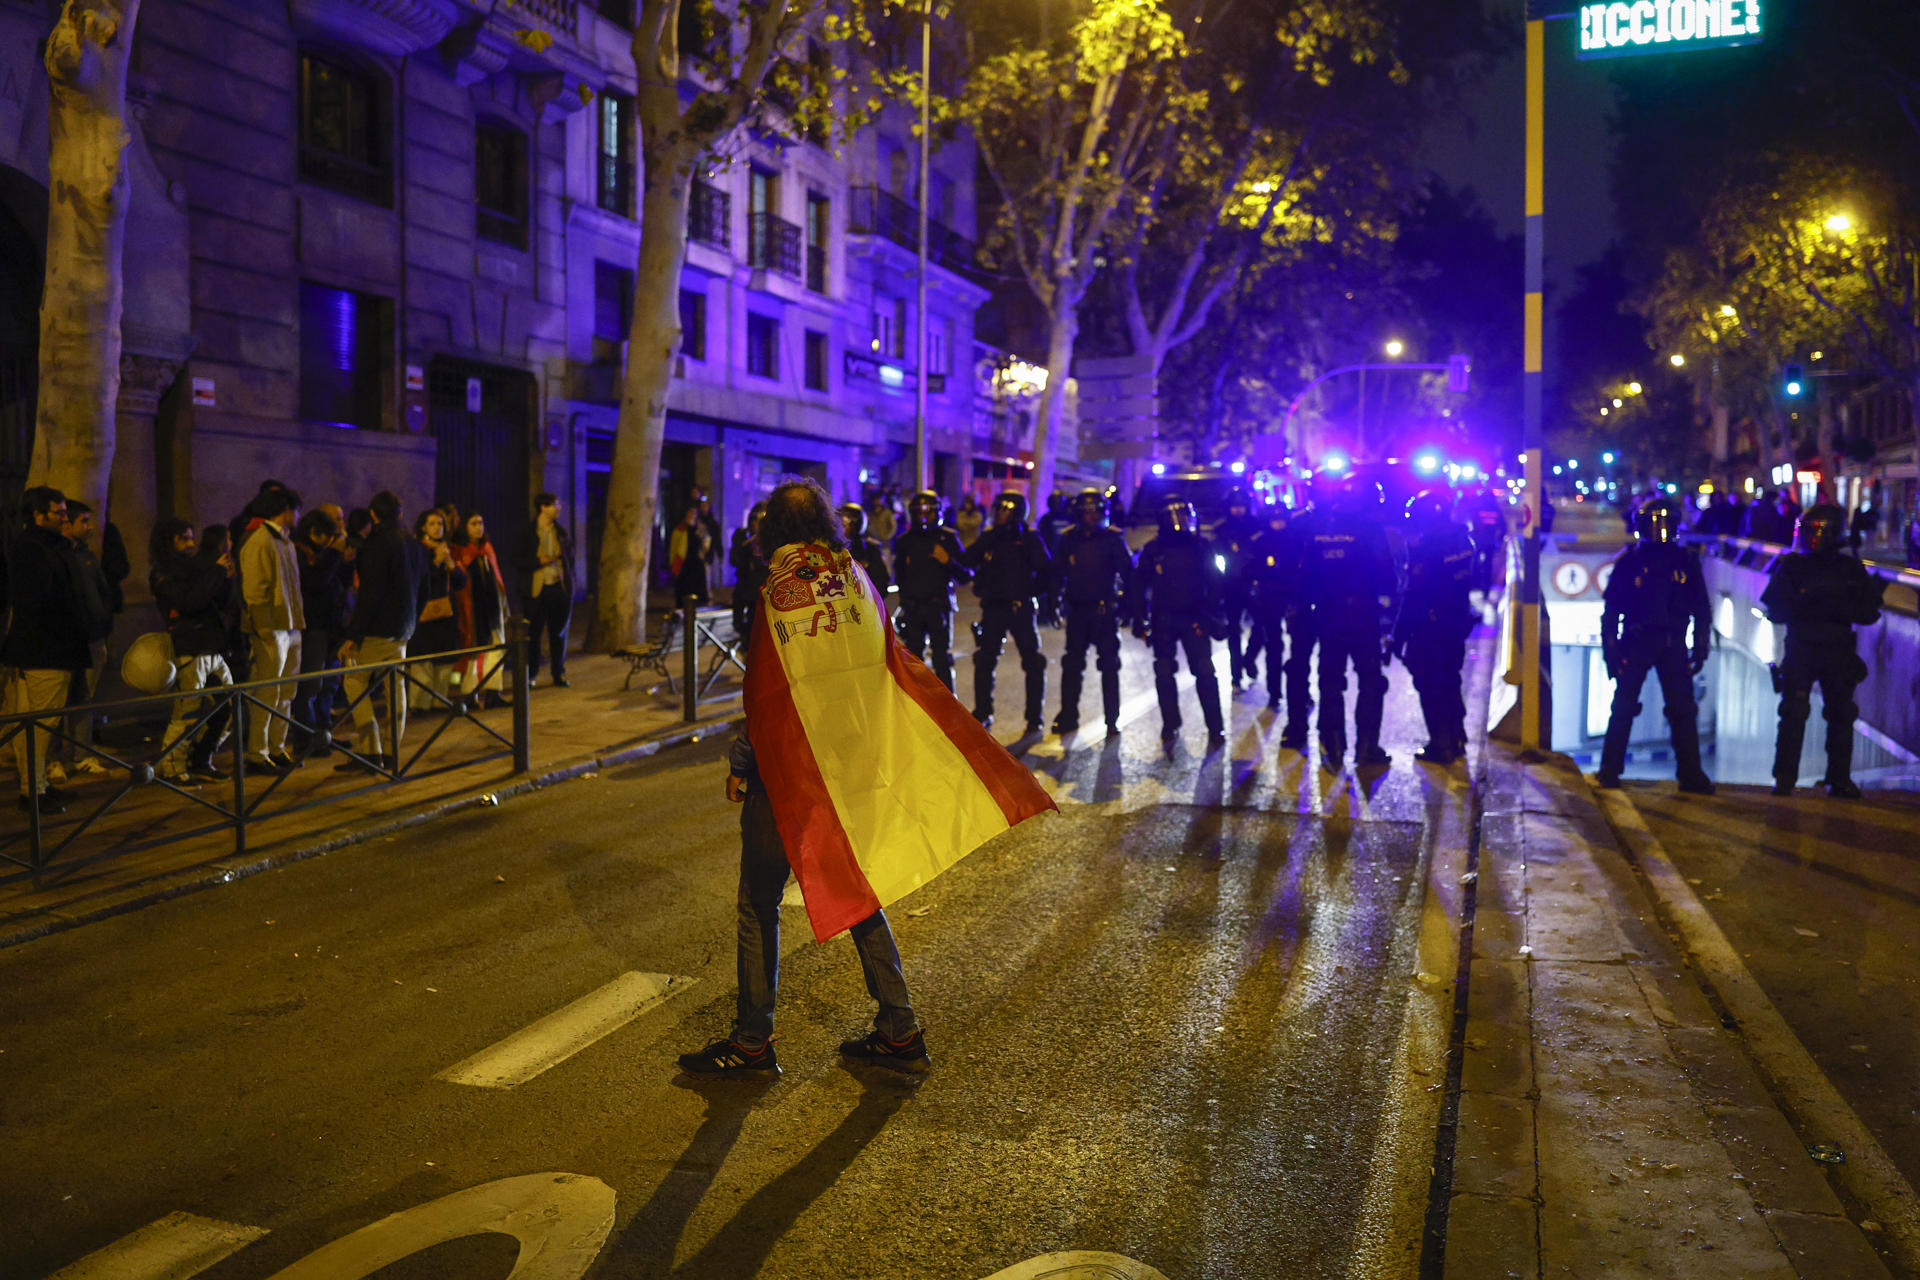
(874, 211)
(710, 216)
(773, 244)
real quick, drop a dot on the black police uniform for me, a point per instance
(1656, 590)
(1176, 584)
(1010, 570)
(1430, 636)
(926, 594)
(1095, 570)
(1270, 574)
(1348, 579)
(1301, 637)
(868, 552)
(1487, 524)
(1820, 597)
(1233, 541)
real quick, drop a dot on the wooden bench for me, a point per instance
(714, 629)
(652, 656)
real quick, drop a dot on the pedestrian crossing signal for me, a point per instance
(1795, 380)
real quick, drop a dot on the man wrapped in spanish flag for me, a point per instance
(859, 773)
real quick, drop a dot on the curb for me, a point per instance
(1810, 1100)
(207, 875)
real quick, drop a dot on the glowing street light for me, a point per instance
(1604, 411)
(1677, 360)
(1840, 223)
(1633, 388)
(1607, 457)
(1727, 310)
(1395, 348)
(1618, 402)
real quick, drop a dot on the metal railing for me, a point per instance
(774, 243)
(876, 211)
(709, 211)
(385, 698)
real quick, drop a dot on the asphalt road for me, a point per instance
(1818, 897)
(1185, 1020)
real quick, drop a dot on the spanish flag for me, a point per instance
(879, 778)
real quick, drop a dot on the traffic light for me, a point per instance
(1795, 380)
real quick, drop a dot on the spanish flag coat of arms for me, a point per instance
(878, 777)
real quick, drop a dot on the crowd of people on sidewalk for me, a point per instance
(303, 599)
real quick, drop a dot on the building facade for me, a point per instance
(390, 244)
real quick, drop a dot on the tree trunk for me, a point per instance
(653, 344)
(1063, 325)
(86, 61)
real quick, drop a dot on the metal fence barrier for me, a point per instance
(41, 843)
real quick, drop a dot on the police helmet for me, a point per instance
(1179, 516)
(924, 507)
(1090, 507)
(853, 518)
(1276, 513)
(1010, 508)
(1429, 509)
(1238, 497)
(1057, 502)
(1821, 528)
(1658, 520)
(755, 514)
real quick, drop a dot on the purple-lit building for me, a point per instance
(389, 243)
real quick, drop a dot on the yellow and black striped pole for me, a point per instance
(1535, 732)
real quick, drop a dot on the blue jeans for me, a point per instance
(763, 880)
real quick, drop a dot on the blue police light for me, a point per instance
(1159, 468)
(1426, 463)
(1334, 463)
(1607, 457)
(1573, 464)
(1558, 470)
(1468, 470)
(1239, 468)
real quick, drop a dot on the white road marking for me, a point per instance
(171, 1248)
(1079, 1265)
(560, 1219)
(561, 1034)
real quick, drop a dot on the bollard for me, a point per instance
(692, 666)
(522, 710)
(239, 703)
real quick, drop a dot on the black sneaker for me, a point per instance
(1845, 789)
(1607, 781)
(1432, 754)
(1113, 728)
(207, 770)
(561, 682)
(184, 781)
(48, 804)
(285, 762)
(56, 795)
(908, 1055)
(1063, 726)
(1372, 758)
(1700, 785)
(726, 1060)
(1216, 739)
(1293, 740)
(1782, 789)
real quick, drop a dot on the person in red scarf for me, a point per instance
(480, 609)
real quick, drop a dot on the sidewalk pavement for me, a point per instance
(574, 731)
(1611, 1123)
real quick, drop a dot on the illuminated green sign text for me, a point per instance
(1626, 27)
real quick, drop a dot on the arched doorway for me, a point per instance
(23, 247)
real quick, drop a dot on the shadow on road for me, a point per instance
(647, 1246)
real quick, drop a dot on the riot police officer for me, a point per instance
(1270, 583)
(853, 519)
(930, 561)
(1233, 540)
(750, 571)
(1487, 523)
(1657, 589)
(1821, 596)
(1176, 588)
(1095, 569)
(1010, 570)
(1349, 581)
(1436, 617)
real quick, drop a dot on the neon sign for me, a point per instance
(1625, 28)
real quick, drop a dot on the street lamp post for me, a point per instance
(922, 461)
